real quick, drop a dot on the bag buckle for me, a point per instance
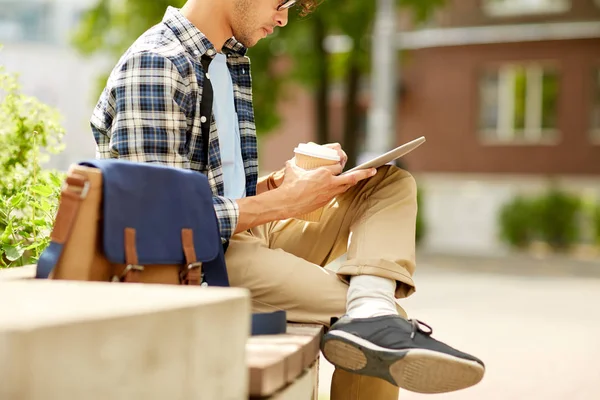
(192, 274)
(81, 187)
(129, 274)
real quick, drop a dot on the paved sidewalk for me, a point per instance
(512, 264)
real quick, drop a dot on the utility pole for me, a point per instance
(382, 114)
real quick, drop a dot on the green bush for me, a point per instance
(551, 217)
(597, 224)
(556, 218)
(517, 222)
(29, 133)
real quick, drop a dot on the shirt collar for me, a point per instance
(195, 41)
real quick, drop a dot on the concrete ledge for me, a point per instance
(11, 274)
(83, 340)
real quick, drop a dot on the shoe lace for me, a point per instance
(416, 327)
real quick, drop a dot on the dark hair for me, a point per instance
(307, 6)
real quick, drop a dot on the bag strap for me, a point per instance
(191, 273)
(74, 190)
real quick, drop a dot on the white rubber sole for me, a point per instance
(418, 370)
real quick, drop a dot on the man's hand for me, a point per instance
(280, 175)
(299, 192)
(305, 191)
(338, 147)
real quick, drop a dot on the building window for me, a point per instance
(503, 8)
(596, 107)
(518, 104)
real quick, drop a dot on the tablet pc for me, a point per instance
(390, 155)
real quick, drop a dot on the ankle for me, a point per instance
(371, 296)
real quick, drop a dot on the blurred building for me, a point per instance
(507, 93)
(509, 86)
(35, 43)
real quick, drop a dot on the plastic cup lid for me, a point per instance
(317, 151)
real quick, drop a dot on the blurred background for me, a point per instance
(507, 93)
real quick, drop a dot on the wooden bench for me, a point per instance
(285, 366)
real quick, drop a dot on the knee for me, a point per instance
(399, 177)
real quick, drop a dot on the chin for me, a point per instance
(249, 42)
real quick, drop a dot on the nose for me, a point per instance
(281, 17)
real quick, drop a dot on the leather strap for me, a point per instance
(187, 240)
(133, 270)
(75, 181)
(72, 193)
(131, 256)
(192, 272)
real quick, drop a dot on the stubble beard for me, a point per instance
(242, 21)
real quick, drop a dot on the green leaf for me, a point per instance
(13, 253)
(7, 232)
(16, 201)
(42, 190)
(43, 205)
(56, 179)
(40, 222)
(33, 246)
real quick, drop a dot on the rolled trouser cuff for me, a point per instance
(383, 268)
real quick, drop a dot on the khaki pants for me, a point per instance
(281, 263)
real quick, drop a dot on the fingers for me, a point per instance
(341, 152)
(334, 146)
(334, 169)
(353, 178)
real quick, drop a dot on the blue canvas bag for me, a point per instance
(123, 221)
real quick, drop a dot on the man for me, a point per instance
(152, 111)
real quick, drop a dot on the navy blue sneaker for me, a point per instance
(401, 352)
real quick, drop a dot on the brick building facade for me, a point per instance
(505, 93)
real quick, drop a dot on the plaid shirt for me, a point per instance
(150, 108)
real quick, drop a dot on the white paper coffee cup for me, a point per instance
(310, 156)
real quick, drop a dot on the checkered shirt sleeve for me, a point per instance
(148, 104)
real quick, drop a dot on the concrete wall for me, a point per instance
(461, 210)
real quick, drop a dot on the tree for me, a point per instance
(317, 69)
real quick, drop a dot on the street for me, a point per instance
(538, 335)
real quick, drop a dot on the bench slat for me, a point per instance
(275, 361)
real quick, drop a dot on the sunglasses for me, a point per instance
(285, 4)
